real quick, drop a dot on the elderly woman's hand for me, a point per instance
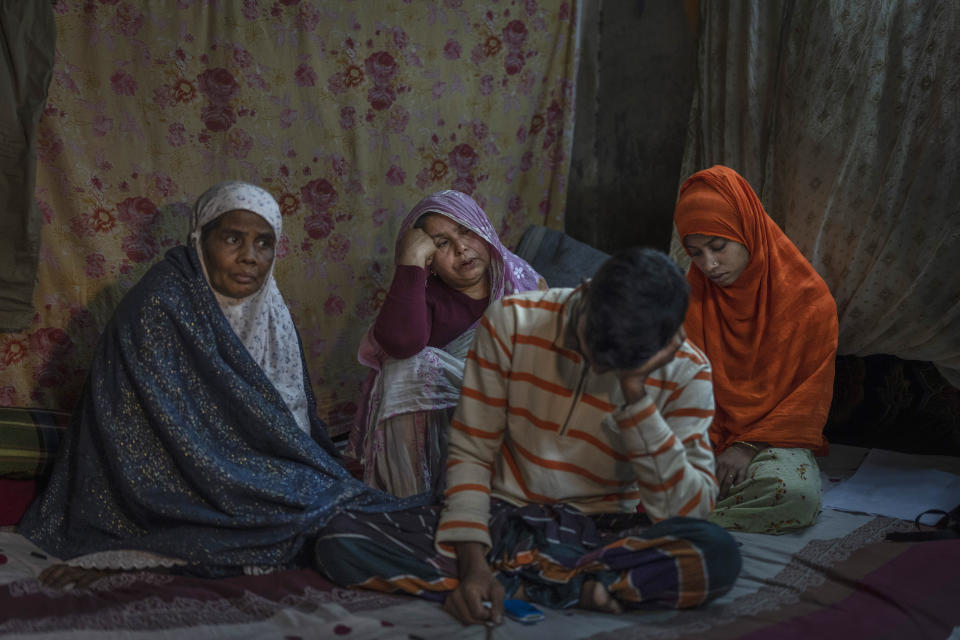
(417, 248)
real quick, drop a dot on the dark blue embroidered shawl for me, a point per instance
(182, 446)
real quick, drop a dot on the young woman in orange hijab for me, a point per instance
(768, 323)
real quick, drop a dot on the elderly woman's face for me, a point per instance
(462, 257)
(238, 253)
(720, 259)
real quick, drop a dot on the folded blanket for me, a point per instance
(29, 438)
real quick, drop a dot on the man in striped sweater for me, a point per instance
(579, 408)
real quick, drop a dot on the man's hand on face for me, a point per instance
(632, 381)
(417, 248)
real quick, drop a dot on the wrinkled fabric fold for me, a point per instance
(430, 380)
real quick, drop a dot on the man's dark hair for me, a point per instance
(634, 304)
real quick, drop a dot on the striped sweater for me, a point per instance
(536, 425)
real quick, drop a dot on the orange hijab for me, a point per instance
(771, 336)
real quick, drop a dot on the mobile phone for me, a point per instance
(522, 611)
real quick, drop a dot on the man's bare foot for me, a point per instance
(594, 596)
(64, 576)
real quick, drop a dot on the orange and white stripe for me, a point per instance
(535, 425)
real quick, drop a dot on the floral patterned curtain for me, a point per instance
(347, 111)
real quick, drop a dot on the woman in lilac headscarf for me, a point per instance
(450, 266)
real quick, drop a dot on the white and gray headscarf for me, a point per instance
(261, 320)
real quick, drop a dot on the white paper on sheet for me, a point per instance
(899, 485)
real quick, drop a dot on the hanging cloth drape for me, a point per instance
(843, 117)
(27, 42)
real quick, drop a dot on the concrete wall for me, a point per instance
(633, 97)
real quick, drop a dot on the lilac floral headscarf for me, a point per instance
(509, 273)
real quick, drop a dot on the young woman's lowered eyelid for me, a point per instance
(714, 245)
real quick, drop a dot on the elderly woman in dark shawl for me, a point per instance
(196, 440)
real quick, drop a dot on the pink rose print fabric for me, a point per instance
(345, 117)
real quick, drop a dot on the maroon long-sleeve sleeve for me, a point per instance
(422, 311)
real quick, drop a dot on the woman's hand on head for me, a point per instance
(732, 467)
(416, 248)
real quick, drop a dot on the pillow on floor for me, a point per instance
(15, 497)
(29, 439)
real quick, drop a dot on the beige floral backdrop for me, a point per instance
(347, 111)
